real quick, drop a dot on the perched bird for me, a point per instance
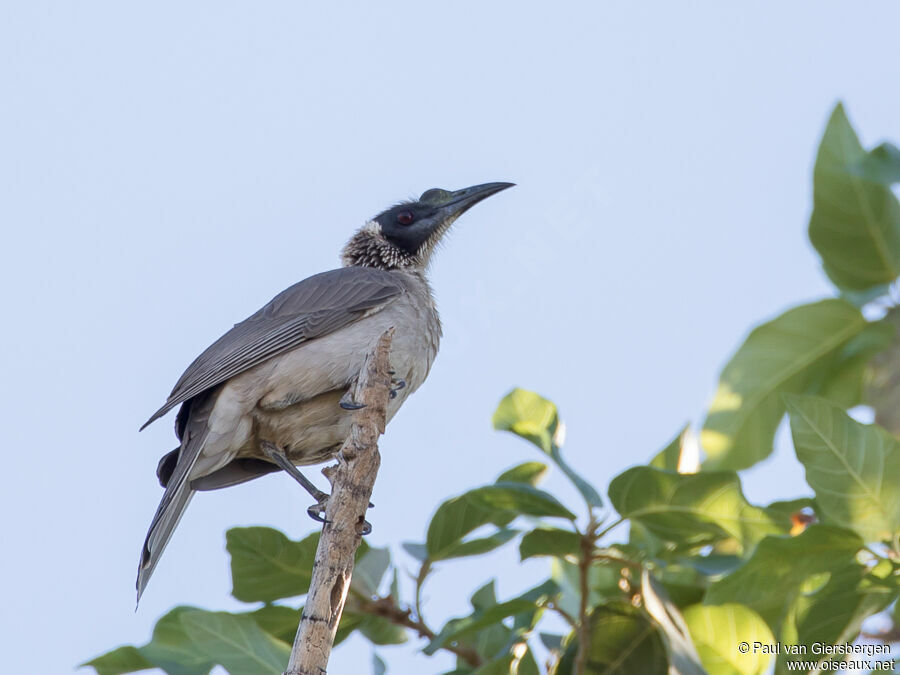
(273, 392)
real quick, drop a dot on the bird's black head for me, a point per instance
(405, 235)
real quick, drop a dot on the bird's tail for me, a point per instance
(164, 523)
(174, 501)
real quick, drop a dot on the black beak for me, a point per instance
(458, 202)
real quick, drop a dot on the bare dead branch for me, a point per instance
(352, 480)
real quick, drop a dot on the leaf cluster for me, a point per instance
(699, 569)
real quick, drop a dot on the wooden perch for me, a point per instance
(352, 480)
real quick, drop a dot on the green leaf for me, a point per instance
(846, 381)
(520, 499)
(395, 586)
(882, 164)
(550, 541)
(692, 509)
(529, 416)
(883, 385)
(267, 566)
(535, 419)
(853, 468)
(587, 490)
(788, 507)
(855, 223)
(673, 630)
(452, 521)
(378, 665)
(831, 608)
(478, 546)
(236, 643)
(277, 620)
(790, 354)
(491, 640)
(551, 641)
(455, 629)
(524, 662)
(623, 642)
(668, 457)
(717, 631)
(484, 628)
(519, 660)
(350, 621)
(502, 665)
(416, 550)
(540, 593)
(529, 472)
(498, 503)
(712, 565)
(684, 583)
(127, 659)
(644, 541)
(381, 631)
(172, 649)
(485, 596)
(369, 570)
(603, 583)
(485, 632)
(772, 579)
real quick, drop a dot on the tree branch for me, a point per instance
(352, 480)
(387, 608)
(583, 629)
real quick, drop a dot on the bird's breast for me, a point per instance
(295, 396)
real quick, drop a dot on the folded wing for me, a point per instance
(314, 307)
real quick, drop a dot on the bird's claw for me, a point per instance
(347, 402)
(397, 386)
(317, 513)
(317, 510)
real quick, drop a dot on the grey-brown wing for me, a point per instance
(314, 307)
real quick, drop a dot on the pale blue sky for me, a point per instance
(167, 167)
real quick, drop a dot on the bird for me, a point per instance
(274, 392)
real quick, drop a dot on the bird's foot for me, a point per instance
(347, 402)
(396, 385)
(317, 510)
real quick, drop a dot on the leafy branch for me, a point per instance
(700, 569)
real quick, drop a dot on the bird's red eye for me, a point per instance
(405, 217)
